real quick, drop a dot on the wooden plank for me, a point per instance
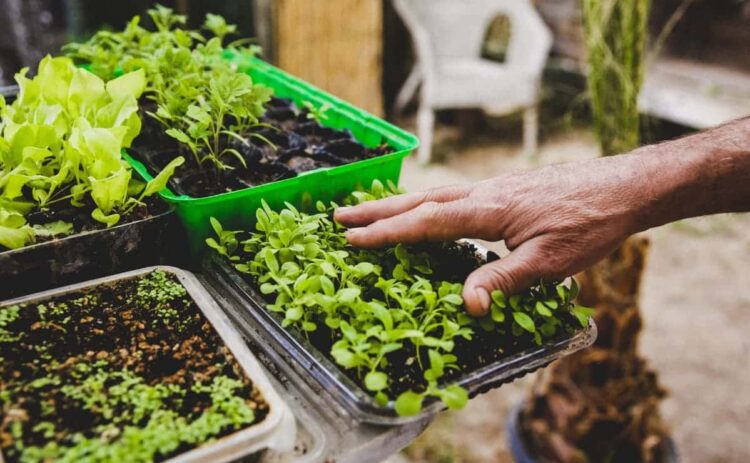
(334, 44)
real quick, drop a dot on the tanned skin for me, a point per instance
(561, 219)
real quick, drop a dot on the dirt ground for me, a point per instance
(696, 304)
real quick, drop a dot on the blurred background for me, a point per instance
(516, 100)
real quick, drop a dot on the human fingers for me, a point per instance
(518, 270)
(372, 211)
(428, 222)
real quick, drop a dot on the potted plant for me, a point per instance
(386, 328)
(245, 135)
(603, 404)
(136, 367)
(70, 205)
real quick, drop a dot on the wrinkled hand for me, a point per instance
(556, 221)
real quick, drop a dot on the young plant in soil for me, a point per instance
(130, 371)
(61, 167)
(392, 319)
(233, 134)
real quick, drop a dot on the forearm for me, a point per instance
(706, 173)
(562, 219)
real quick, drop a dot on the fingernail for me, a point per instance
(353, 231)
(343, 209)
(484, 299)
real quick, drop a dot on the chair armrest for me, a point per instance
(420, 37)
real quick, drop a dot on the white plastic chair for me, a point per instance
(448, 36)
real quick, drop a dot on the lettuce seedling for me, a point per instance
(61, 140)
(379, 305)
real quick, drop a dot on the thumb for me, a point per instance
(518, 270)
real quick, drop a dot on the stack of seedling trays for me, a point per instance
(110, 354)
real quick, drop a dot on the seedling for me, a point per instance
(61, 143)
(315, 113)
(113, 374)
(385, 311)
(201, 102)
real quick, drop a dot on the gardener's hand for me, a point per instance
(561, 219)
(556, 221)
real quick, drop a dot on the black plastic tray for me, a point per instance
(243, 303)
(88, 255)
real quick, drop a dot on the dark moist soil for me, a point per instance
(449, 262)
(300, 144)
(168, 343)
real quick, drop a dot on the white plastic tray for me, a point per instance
(278, 429)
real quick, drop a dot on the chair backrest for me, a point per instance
(456, 29)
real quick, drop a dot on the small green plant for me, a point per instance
(204, 128)
(377, 304)
(94, 387)
(62, 141)
(315, 113)
(200, 100)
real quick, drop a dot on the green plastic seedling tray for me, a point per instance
(236, 210)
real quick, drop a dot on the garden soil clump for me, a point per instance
(130, 371)
(288, 142)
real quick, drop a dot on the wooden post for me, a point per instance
(334, 44)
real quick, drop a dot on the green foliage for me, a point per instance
(62, 141)
(7, 316)
(315, 113)
(203, 126)
(201, 101)
(379, 302)
(159, 293)
(142, 422)
(121, 406)
(616, 33)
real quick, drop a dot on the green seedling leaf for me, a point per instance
(542, 309)
(160, 181)
(376, 381)
(574, 289)
(109, 220)
(344, 357)
(455, 397)
(347, 295)
(409, 403)
(583, 314)
(130, 85)
(381, 398)
(524, 321)
(454, 299)
(14, 238)
(497, 313)
(498, 297)
(53, 229)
